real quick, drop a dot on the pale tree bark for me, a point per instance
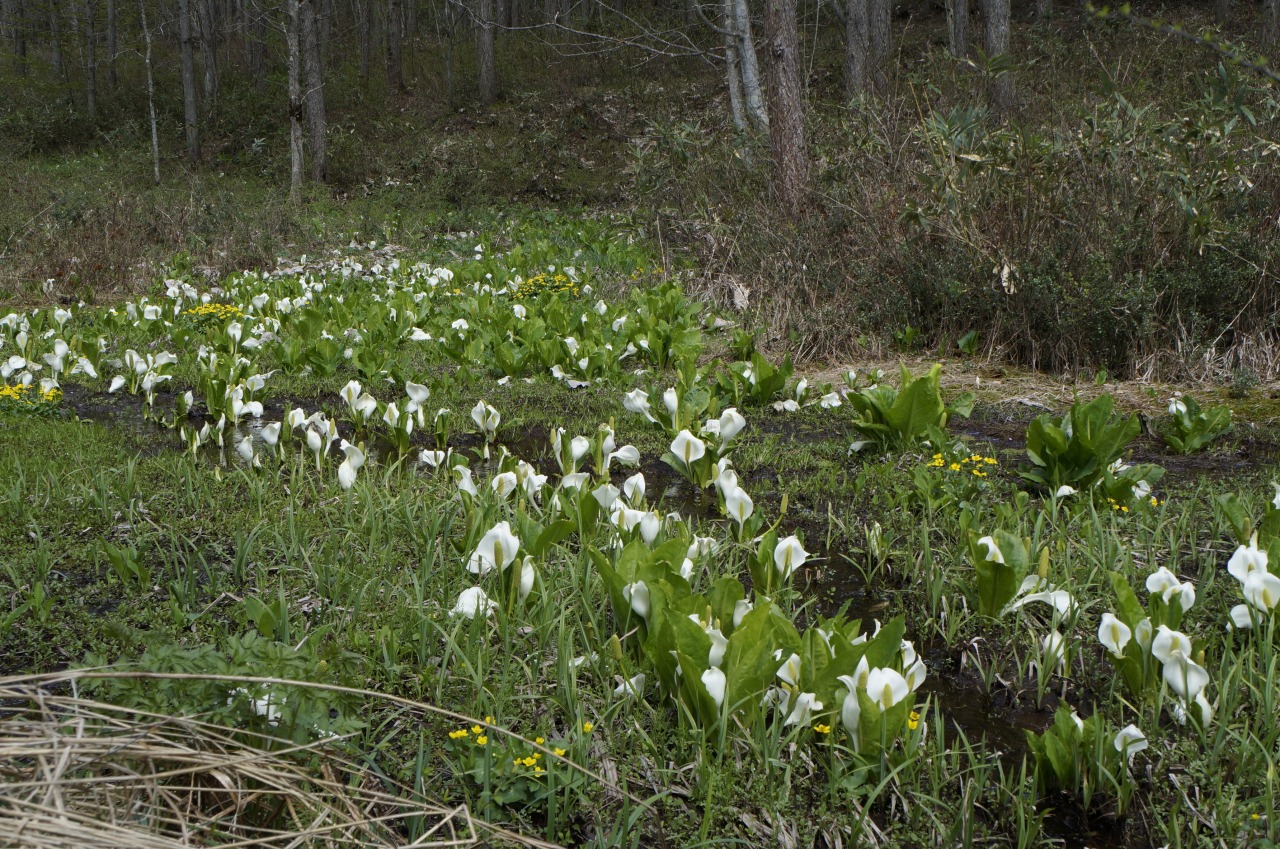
(958, 27)
(786, 107)
(208, 52)
(112, 80)
(753, 97)
(151, 92)
(190, 104)
(313, 74)
(733, 70)
(484, 53)
(1273, 23)
(1044, 11)
(856, 45)
(879, 41)
(294, 39)
(91, 58)
(395, 35)
(996, 15)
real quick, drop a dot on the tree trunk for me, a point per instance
(13, 18)
(880, 42)
(484, 54)
(1044, 11)
(91, 58)
(786, 107)
(733, 69)
(314, 96)
(293, 36)
(112, 80)
(855, 48)
(752, 91)
(151, 93)
(55, 35)
(395, 72)
(958, 27)
(366, 39)
(996, 15)
(208, 57)
(1273, 23)
(190, 106)
(1222, 10)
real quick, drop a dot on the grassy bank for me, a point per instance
(622, 614)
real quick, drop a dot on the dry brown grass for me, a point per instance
(77, 773)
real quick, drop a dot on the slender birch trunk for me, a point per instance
(752, 91)
(293, 37)
(879, 42)
(151, 92)
(733, 68)
(484, 53)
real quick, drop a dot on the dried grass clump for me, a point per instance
(82, 774)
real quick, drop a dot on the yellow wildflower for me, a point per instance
(587, 727)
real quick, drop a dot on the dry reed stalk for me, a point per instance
(76, 773)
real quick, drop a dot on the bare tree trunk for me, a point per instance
(786, 107)
(1222, 10)
(996, 15)
(112, 80)
(395, 71)
(1273, 23)
(366, 39)
(1044, 11)
(190, 106)
(450, 27)
(91, 58)
(752, 91)
(295, 102)
(484, 53)
(208, 56)
(880, 41)
(856, 46)
(733, 69)
(958, 27)
(12, 18)
(55, 35)
(151, 93)
(314, 96)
